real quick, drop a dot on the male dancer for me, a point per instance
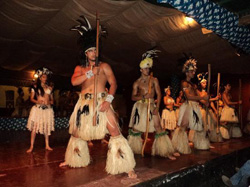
(162, 145)
(190, 114)
(120, 157)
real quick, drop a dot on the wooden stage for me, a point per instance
(41, 168)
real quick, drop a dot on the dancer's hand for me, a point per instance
(156, 110)
(240, 102)
(104, 106)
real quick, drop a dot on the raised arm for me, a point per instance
(78, 77)
(189, 96)
(227, 102)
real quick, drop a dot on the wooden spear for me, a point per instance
(148, 114)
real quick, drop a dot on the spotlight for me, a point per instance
(35, 76)
(189, 20)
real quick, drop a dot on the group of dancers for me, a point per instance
(93, 116)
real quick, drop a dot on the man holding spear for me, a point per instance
(93, 115)
(145, 115)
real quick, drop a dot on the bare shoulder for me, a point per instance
(78, 68)
(185, 84)
(104, 65)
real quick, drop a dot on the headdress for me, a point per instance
(43, 71)
(147, 59)
(202, 77)
(189, 65)
(168, 88)
(87, 38)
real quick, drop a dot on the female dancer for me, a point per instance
(168, 117)
(41, 118)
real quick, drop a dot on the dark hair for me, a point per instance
(38, 87)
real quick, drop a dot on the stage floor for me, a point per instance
(41, 168)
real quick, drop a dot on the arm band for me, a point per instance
(89, 74)
(109, 98)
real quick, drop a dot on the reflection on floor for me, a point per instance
(17, 168)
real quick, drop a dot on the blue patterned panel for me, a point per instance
(215, 18)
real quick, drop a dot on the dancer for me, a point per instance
(190, 114)
(168, 117)
(179, 101)
(41, 118)
(229, 120)
(162, 145)
(83, 126)
(210, 123)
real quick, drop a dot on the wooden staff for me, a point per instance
(98, 69)
(240, 106)
(218, 92)
(208, 91)
(148, 114)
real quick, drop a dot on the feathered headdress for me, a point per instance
(147, 58)
(43, 71)
(87, 38)
(202, 77)
(189, 65)
(168, 88)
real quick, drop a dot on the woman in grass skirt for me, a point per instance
(41, 118)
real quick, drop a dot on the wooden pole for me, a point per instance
(208, 93)
(96, 64)
(240, 106)
(148, 114)
(218, 92)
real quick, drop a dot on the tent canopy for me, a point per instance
(36, 33)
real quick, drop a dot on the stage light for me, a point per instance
(189, 20)
(35, 76)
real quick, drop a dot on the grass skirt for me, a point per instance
(190, 116)
(135, 141)
(120, 156)
(201, 142)
(81, 119)
(41, 119)
(228, 115)
(138, 119)
(168, 119)
(77, 153)
(162, 145)
(180, 141)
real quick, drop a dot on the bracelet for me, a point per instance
(109, 98)
(89, 74)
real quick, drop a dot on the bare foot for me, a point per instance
(49, 148)
(176, 154)
(63, 164)
(104, 141)
(132, 174)
(90, 143)
(171, 157)
(211, 147)
(29, 150)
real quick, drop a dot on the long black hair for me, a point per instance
(38, 87)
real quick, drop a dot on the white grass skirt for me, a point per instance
(190, 116)
(168, 119)
(41, 119)
(228, 115)
(138, 119)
